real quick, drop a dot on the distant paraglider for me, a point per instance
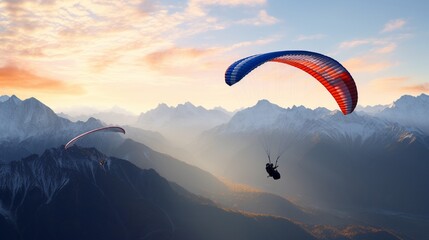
(330, 73)
(102, 162)
(104, 129)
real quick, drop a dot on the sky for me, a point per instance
(137, 54)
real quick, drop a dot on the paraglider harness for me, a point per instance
(272, 169)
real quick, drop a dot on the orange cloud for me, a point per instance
(164, 55)
(386, 49)
(417, 88)
(390, 82)
(400, 84)
(364, 64)
(19, 79)
(178, 59)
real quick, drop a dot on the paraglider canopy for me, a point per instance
(330, 73)
(105, 129)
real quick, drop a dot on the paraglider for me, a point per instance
(329, 72)
(271, 169)
(102, 162)
(105, 129)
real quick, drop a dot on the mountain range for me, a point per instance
(183, 122)
(359, 164)
(115, 115)
(342, 165)
(409, 111)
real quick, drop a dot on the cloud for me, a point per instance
(390, 47)
(393, 25)
(389, 81)
(99, 35)
(179, 55)
(258, 42)
(176, 56)
(366, 64)
(310, 37)
(105, 45)
(377, 45)
(181, 61)
(388, 44)
(12, 77)
(417, 88)
(94, 33)
(402, 85)
(197, 7)
(114, 55)
(262, 19)
(188, 61)
(354, 43)
(228, 2)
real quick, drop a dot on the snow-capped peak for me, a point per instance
(15, 99)
(408, 101)
(4, 98)
(409, 111)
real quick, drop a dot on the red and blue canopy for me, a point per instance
(330, 73)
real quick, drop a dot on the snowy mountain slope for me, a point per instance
(4, 98)
(28, 126)
(409, 111)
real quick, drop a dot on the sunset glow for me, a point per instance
(137, 54)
